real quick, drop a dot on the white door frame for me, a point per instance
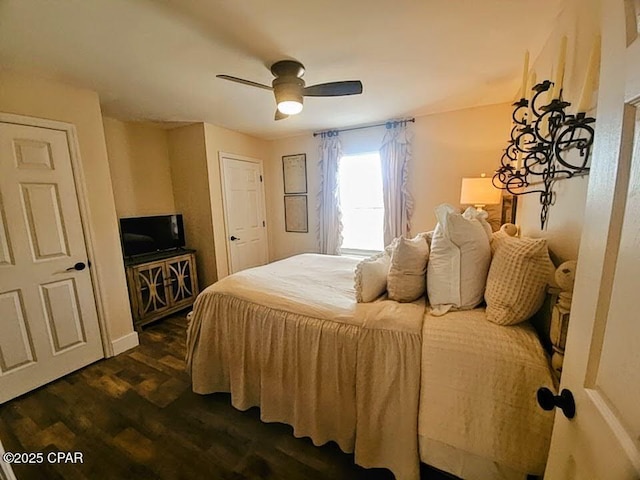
(233, 156)
(6, 472)
(83, 203)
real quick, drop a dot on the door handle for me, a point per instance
(232, 238)
(565, 401)
(78, 266)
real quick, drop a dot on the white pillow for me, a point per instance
(481, 215)
(458, 263)
(406, 279)
(371, 277)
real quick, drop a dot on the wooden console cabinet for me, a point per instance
(161, 284)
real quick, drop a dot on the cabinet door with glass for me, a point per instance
(150, 286)
(181, 280)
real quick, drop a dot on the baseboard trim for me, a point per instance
(125, 343)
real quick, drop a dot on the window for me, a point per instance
(360, 180)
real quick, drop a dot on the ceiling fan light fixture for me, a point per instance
(288, 94)
(290, 107)
(290, 89)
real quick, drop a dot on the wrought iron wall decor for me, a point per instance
(547, 144)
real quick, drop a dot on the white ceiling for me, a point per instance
(157, 59)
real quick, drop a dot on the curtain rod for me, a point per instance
(389, 124)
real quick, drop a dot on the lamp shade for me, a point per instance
(479, 191)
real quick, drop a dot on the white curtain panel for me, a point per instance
(395, 154)
(329, 214)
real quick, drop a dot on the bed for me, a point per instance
(384, 380)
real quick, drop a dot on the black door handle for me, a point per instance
(233, 238)
(78, 266)
(548, 401)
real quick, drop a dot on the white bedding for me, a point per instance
(289, 337)
(478, 394)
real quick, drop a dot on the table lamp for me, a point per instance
(479, 192)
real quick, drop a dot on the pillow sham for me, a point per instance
(458, 262)
(406, 279)
(370, 278)
(517, 280)
(481, 215)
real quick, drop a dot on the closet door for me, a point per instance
(48, 319)
(244, 208)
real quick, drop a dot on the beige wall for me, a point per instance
(188, 160)
(446, 147)
(285, 244)
(140, 170)
(449, 146)
(580, 22)
(195, 173)
(31, 96)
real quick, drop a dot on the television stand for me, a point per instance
(161, 283)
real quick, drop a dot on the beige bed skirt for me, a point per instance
(357, 385)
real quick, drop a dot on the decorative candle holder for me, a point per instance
(544, 148)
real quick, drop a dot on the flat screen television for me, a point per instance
(143, 235)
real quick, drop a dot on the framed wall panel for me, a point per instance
(295, 213)
(294, 172)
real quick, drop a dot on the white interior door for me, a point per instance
(244, 208)
(48, 320)
(602, 363)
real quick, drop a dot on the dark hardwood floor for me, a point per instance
(134, 416)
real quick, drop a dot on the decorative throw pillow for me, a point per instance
(458, 263)
(371, 277)
(392, 246)
(406, 279)
(428, 236)
(517, 281)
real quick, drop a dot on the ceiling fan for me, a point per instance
(289, 87)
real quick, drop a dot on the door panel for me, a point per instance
(6, 258)
(48, 319)
(244, 213)
(152, 294)
(63, 315)
(181, 281)
(33, 154)
(41, 204)
(16, 345)
(602, 358)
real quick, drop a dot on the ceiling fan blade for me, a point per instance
(334, 89)
(244, 82)
(280, 116)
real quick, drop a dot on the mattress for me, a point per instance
(478, 409)
(290, 338)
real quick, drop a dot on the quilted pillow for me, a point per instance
(406, 279)
(371, 277)
(458, 263)
(517, 281)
